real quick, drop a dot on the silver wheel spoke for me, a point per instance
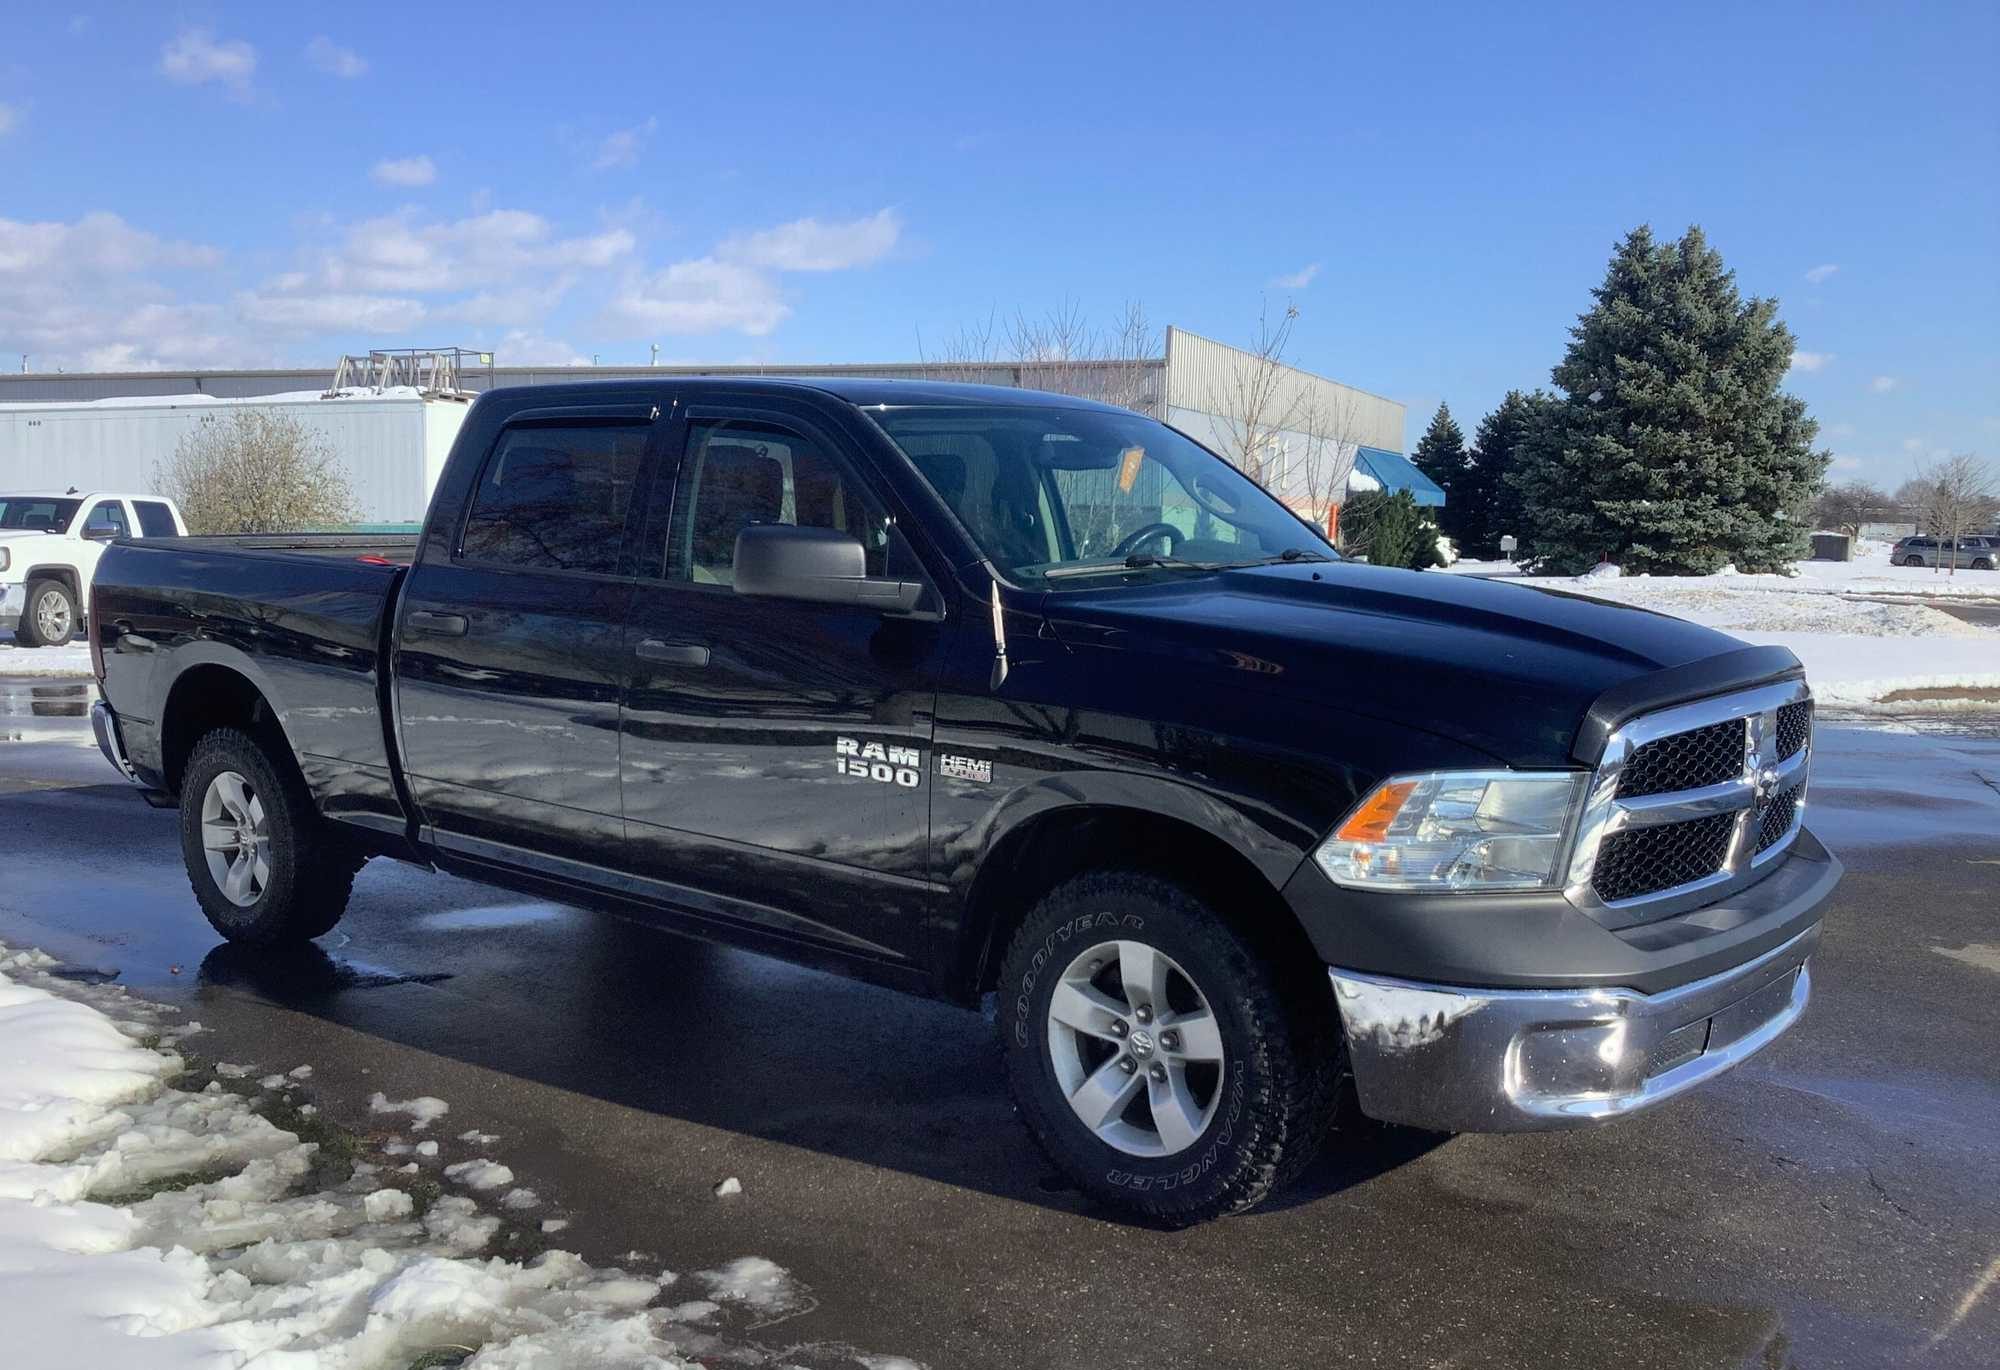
(218, 836)
(1085, 1009)
(1197, 1037)
(260, 866)
(1104, 1094)
(255, 808)
(235, 796)
(237, 884)
(1144, 972)
(1175, 1114)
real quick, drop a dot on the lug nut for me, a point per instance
(1144, 1013)
(1171, 1041)
(1159, 1073)
(1127, 1064)
(1118, 1028)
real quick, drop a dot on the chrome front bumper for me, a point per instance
(1473, 1060)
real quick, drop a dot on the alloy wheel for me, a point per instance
(1136, 1049)
(236, 839)
(52, 616)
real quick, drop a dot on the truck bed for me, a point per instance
(303, 617)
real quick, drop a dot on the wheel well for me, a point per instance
(203, 699)
(1048, 850)
(64, 574)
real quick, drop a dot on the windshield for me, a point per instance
(1055, 496)
(24, 513)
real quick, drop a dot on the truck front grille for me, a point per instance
(1691, 800)
(1642, 861)
(1685, 761)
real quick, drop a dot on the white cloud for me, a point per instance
(1913, 444)
(1845, 464)
(621, 149)
(9, 118)
(305, 315)
(78, 295)
(400, 252)
(1298, 280)
(1810, 361)
(1882, 385)
(405, 171)
(1821, 273)
(524, 347)
(522, 305)
(335, 60)
(96, 245)
(810, 245)
(194, 57)
(703, 295)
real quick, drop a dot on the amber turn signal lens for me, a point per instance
(1370, 822)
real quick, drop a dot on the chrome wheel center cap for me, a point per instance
(1141, 1043)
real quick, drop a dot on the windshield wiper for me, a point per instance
(1138, 561)
(1289, 554)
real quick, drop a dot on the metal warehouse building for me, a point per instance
(392, 415)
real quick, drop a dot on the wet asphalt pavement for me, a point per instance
(1835, 1202)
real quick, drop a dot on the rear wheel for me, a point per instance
(1166, 1064)
(263, 866)
(1913, 560)
(49, 618)
(1983, 564)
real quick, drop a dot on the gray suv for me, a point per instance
(1975, 553)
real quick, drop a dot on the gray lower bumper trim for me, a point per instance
(104, 724)
(1471, 1060)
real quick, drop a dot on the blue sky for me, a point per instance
(1435, 188)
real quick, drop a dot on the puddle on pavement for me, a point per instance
(295, 973)
(495, 916)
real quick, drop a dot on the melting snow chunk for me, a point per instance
(385, 1204)
(521, 1198)
(423, 1110)
(757, 1284)
(730, 1186)
(480, 1174)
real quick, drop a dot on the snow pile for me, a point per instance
(151, 1225)
(45, 663)
(423, 1111)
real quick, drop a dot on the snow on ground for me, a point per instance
(152, 1218)
(52, 663)
(1861, 628)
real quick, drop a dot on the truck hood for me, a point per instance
(1509, 669)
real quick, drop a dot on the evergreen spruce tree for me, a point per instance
(1440, 455)
(1488, 507)
(1673, 450)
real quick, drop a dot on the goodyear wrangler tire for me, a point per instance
(1164, 1063)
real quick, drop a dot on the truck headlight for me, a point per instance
(6, 559)
(1456, 831)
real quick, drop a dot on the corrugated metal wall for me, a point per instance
(392, 448)
(1207, 377)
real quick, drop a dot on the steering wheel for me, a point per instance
(1139, 537)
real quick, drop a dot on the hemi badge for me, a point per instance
(964, 768)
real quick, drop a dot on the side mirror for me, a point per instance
(101, 532)
(818, 565)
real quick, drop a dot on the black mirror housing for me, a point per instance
(817, 565)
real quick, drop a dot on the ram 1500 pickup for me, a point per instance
(971, 690)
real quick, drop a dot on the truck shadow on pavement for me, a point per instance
(721, 1038)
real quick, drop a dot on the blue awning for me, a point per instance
(1394, 472)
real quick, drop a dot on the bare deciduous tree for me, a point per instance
(1263, 404)
(1311, 474)
(1844, 508)
(256, 471)
(1060, 351)
(1952, 498)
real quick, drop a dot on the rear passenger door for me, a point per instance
(510, 656)
(776, 752)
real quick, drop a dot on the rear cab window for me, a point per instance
(555, 498)
(156, 520)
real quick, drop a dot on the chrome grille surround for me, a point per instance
(1765, 781)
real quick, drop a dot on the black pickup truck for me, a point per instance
(970, 690)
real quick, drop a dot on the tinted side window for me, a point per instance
(108, 511)
(555, 498)
(737, 473)
(155, 519)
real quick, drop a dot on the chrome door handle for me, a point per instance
(444, 625)
(672, 653)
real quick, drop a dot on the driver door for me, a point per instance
(775, 753)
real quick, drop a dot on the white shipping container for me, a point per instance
(392, 444)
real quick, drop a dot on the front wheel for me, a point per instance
(1983, 564)
(1166, 1064)
(49, 620)
(263, 866)
(1913, 561)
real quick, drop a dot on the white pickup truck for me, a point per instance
(49, 546)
